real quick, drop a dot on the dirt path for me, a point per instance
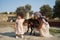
(7, 33)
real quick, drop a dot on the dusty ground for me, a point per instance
(7, 33)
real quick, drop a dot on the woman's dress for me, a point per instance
(45, 29)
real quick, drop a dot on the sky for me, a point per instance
(11, 5)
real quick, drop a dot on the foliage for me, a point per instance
(24, 9)
(46, 10)
(4, 13)
(57, 9)
(27, 7)
(12, 12)
(31, 12)
(20, 10)
(54, 31)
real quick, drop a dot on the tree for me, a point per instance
(14, 13)
(24, 10)
(4, 13)
(27, 7)
(57, 9)
(11, 13)
(31, 12)
(20, 10)
(46, 10)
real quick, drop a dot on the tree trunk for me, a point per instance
(27, 15)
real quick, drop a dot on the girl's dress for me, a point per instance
(19, 28)
(45, 29)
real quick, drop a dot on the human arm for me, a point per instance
(45, 21)
(15, 24)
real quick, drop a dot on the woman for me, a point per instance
(45, 28)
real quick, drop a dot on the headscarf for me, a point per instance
(37, 14)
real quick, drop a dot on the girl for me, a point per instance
(19, 26)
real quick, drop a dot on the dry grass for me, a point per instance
(6, 24)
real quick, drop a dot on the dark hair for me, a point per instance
(20, 14)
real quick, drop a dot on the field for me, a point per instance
(7, 33)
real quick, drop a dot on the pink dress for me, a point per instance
(19, 28)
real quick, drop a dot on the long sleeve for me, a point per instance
(45, 21)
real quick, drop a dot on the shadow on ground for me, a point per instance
(12, 34)
(33, 34)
